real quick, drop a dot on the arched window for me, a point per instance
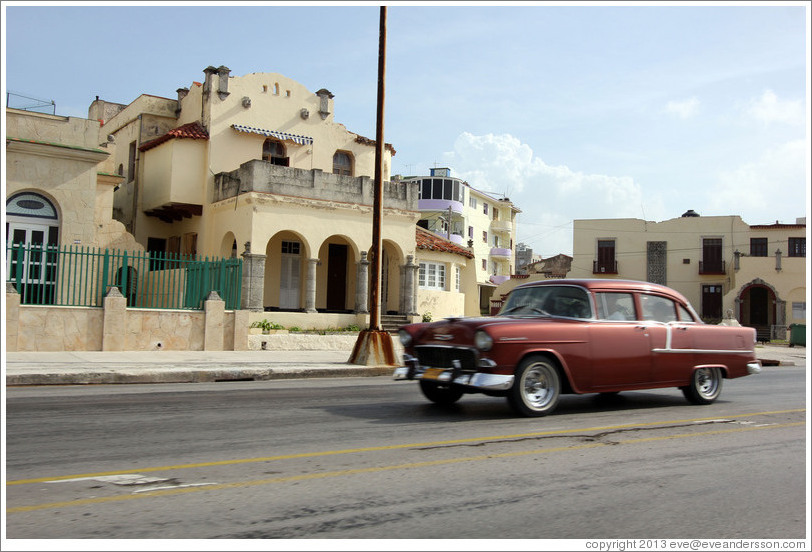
(342, 163)
(274, 151)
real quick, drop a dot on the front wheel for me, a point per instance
(705, 386)
(536, 387)
(440, 394)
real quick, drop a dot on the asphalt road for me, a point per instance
(369, 458)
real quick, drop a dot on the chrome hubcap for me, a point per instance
(706, 381)
(537, 387)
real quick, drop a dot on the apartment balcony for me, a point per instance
(606, 267)
(714, 268)
(498, 279)
(501, 253)
(499, 225)
(440, 205)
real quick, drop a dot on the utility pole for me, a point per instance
(374, 346)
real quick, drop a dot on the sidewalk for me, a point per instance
(93, 367)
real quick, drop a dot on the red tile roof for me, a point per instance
(189, 130)
(433, 242)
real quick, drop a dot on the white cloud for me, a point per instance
(550, 196)
(684, 109)
(777, 178)
(769, 109)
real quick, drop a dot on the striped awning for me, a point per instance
(303, 140)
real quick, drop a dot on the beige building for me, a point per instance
(445, 271)
(59, 201)
(720, 263)
(484, 225)
(256, 166)
(59, 183)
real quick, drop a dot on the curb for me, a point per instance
(153, 375)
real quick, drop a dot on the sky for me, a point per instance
(572, 110)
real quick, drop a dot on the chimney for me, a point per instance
(324, 106)
(222, 89)
(209, 71)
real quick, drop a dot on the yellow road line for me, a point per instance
(383, 448)
(356, 471)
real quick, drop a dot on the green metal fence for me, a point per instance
(82, 276)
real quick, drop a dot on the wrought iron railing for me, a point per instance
(82, 276)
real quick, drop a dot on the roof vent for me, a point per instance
(690, 213)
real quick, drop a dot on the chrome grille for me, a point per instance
(437, 356)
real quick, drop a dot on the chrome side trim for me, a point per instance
(735, 351)
(491, 382)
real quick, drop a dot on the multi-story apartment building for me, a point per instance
(473, 219)
(720, 263)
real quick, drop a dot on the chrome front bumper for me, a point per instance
(478, 380)
(754, 367)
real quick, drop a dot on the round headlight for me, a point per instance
(483, 341)
(405, 338)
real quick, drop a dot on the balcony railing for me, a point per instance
(714, 267)
(604, 267)
(501, 252)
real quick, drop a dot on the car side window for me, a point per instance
(615, 306)
(660, 309)
(684, 315)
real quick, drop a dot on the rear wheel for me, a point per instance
(440, 394)
(705, 386)
(536, 388)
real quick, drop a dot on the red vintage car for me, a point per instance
(554, 337)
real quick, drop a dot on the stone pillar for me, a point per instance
(310, 286)
(114, 325)
(12, 317)
(409, 299)
(214, 308)
(780, 312)
(253, 279)
(362, 285)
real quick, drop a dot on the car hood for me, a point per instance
(462, 330)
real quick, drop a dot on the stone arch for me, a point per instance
(760, 309)
(228, 246)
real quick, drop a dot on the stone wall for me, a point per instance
(34, 328)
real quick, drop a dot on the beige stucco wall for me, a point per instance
(278, 112)
(173, 173)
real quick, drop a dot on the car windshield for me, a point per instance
(569, 301)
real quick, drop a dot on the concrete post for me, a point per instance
(362, 285)
(253, 280)
(114, 326)
(241, 330)
(310, 286)
(214, 308)
(410, 286)
(12, 317)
